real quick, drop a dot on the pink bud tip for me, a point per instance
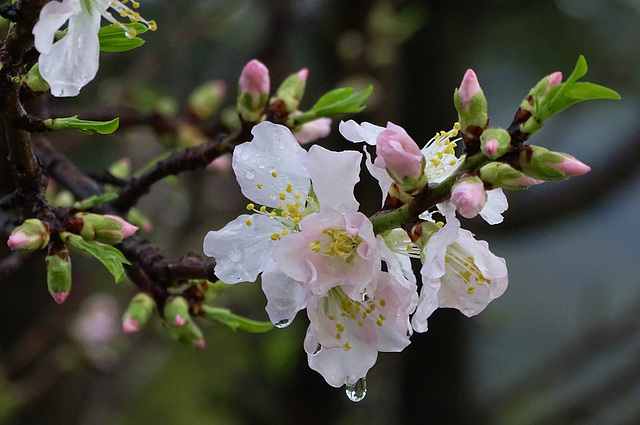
(220, 87)
(571, 166)
(554, 79)
(398, 153)
(179, 321)
(303, 74)
(127, 230)
(469, 87)
(19, 240)
(130, 326)
(200, 343)
(491, 146)
(60, 297)
(254, 79)
(313, 130)
(469, 197)
(148, 227)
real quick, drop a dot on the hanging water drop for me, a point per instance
(317, 350)
(356, 392)
(282, 323)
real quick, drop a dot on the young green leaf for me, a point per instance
(92, 201)
(109, 256)
(338, 101)
(234, 321)
(102, 127)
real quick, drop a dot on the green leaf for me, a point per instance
(109, 256)
(566, 94)
(92, 201)
(338, 101)
(73, 123)
(234, 321)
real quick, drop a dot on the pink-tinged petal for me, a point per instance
(60, 297)
(334, 176)
(242, 251)
(570, 166)
(469, 197)
(130, 326)
(285, 296)
(200, 344)
(495, 206)
(20, 240)
(491, 146)
(73, 61)
(313, 130)
(268, 163)
(435, 251)
(555, 78)
(380, 174)
(469, 286)
(469, 88)
(128, 229)
(303, 74)
(356, 133)
(427, 304)
(179, 321)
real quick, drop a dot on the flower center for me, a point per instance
(350, 315)
(465, 267)
(338, 244)
(441, 154)
(126, 12)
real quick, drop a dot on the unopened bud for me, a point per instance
(470, 103)
(121, 168)
(291, 90)
(179, 323)
(253, 91)
(501, 175)
(313, 130)
(138, 313)
(541, 163)
(399, 154)
(107, 229)
(31, 235)
(206, 99)
(469, 196)
(534, 104)
(58, 273)
(495, 142)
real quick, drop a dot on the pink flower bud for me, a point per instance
(313, 130)
(398, 153)
(127, 230)
(255, 80)
(20, 240)
(555, 78)
(469, 196)
(179, 321)
(570, 166)
(523, 181)
(130, 325)
(469, 88)
(200, 343)
(59, 297)
(303, 74)
(491, 147)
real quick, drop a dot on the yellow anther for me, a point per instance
(272, 214)
(382, 317)
(383, 303)
(135, 4)
(275, 236)
(453, 162)
(347, 346)
(470, 290)
(296, 220)
(339, 327)
(289, 188)
(283, 196)
(152, 25)
(360, 323)
(466, 275)
(338, 336)
(284, 232)
(250, 207)
(439, 223)
(331, 317)
(379, 322)
(274, 174)
(263, 209)
(259, 186)
(298, 195)
(248, 221)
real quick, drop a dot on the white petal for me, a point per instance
(384, 180)
(427, 304)
(436, 249)
(285, 296)
(242, 251)
(365, 132)
(272, 150)
(73, 61)
(52, 16)
(334, 175)
(495, 206)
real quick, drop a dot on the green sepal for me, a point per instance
(224, 316)
(59, 273)
(109, 256)
(73, 123)
(94, 200)
(114, 39)
(140, 309)
(566, 94)
(338, 101)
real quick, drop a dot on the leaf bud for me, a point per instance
(106, 229)
(179, 323)
(501, 175)
(291, 90)
(541, 163)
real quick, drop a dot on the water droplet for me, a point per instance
(244, 156)
(236, 256)
(356, 392)
(261, 165)
(364, 297)
(250, 175)
(317, 350)
(281, 146)
(282, 323)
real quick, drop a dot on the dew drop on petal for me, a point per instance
(244, 156)
(250, 175)
(282, 323)
(356, 392)
(261, 165)
(236, 256)
(364, 297)
(317, 349)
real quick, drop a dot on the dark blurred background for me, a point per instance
(561, 346)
